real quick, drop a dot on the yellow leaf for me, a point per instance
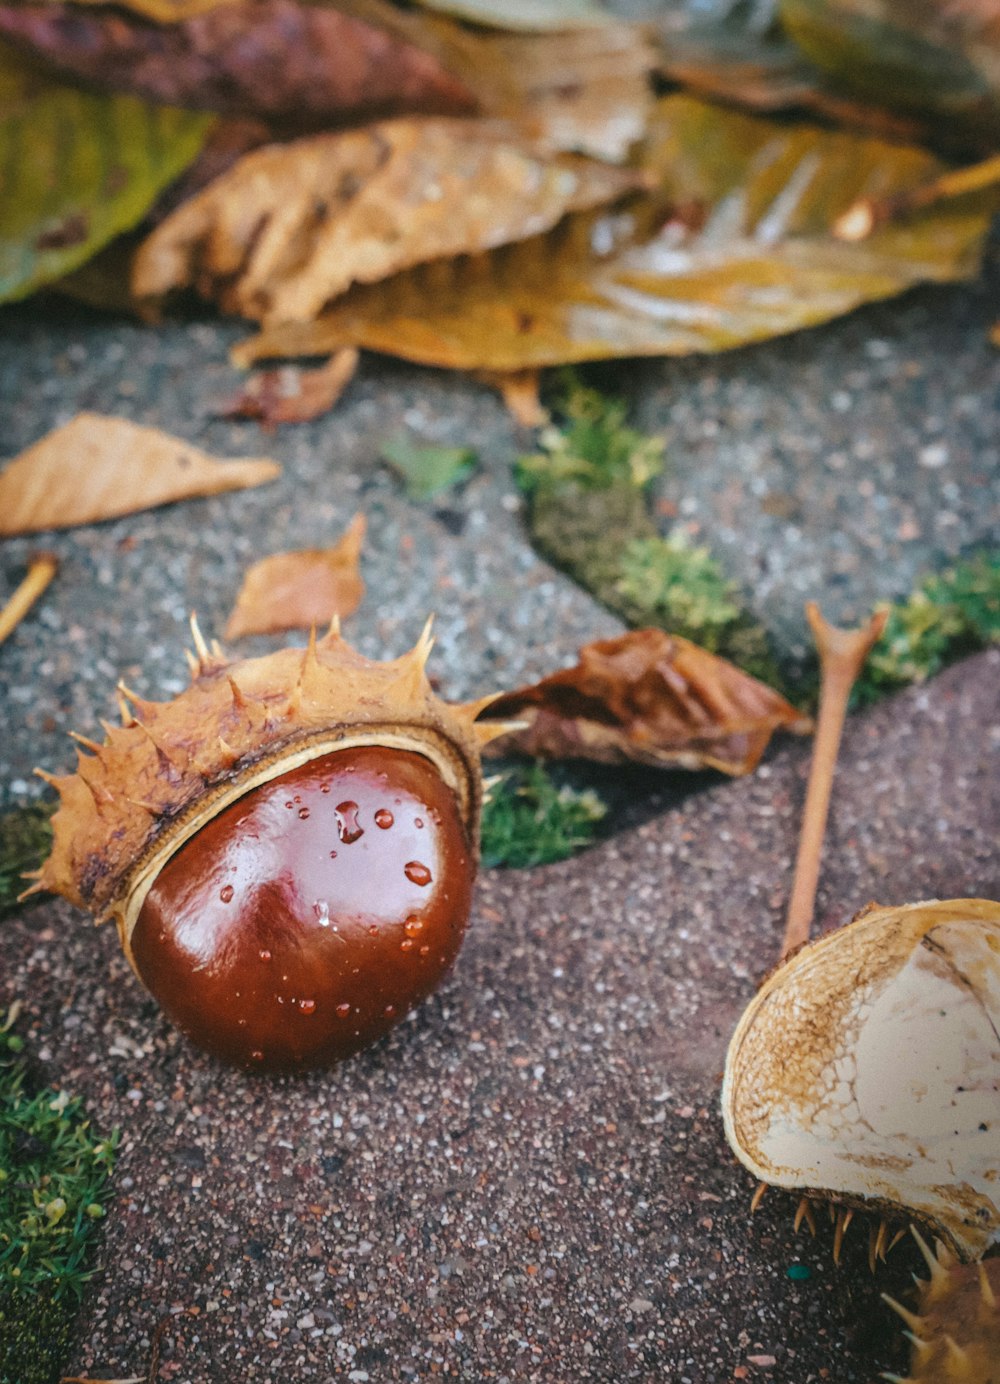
(734, 246)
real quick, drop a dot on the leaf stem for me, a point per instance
(863, 216)
(42, 568)
(842, 654)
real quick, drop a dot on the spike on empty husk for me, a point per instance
(865, 1070)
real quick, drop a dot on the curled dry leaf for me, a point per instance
(97, 468)
(648, 697)
(275, 58)
(291, 395)
(734, 246)
(296, 590)
(292, 226)
(587, 90)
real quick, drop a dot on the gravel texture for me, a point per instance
(841, 463)
(527, 1180)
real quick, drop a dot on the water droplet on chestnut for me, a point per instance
(347, 823)
(232, 881)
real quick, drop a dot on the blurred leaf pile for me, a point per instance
(490, 187)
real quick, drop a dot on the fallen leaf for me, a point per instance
(104, 281)
(739, 65)
(297, 590)
(646, 697)
(587, 90)
(929, 58)
(95, 468)
(294, 396)
(735, 246)
(428, 470)
(78, 168)
(533, 16)
(273, 58)
(292, 226)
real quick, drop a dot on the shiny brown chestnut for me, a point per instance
(288, 847)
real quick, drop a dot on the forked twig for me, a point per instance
(862, 217)
(41, 569)
(842, 654)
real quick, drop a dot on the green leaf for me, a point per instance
(428, 470)
(931, 59)
(734, 245)
(76, 169)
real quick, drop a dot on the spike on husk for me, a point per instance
(863, 1072)
(172, 765)
(957, 1340)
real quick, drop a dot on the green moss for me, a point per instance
(589, 514)
(530, 820)
(25, 837)
(53, 1186)
(592, 449)
(950, 614)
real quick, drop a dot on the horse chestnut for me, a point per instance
(288, 847)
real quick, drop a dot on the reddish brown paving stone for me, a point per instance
(528, 1181)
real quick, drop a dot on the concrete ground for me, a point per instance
(528, 1180)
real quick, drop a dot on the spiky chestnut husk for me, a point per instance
(864, 1070)
(955, 1330)
(288, 847)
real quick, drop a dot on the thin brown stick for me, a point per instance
(41, 569)
(842, 654)
(861, 218)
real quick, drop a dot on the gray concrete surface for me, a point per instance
(840, 463)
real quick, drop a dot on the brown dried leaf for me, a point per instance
(290, 395)
(276, 58)
(587, 90)
(97, 468)
(735, 246)
(648, 697)
(297, 590)
(292, 226)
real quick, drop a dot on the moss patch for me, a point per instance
(25, 837)
(950, 614)
(54, 1174)
(530, 820)
(589, 513)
